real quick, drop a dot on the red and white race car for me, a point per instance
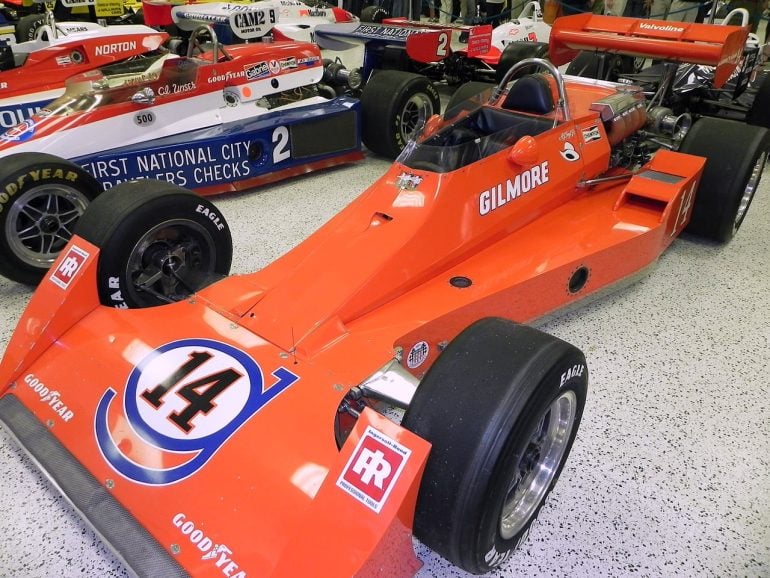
(528, 26)
(217, 120)
(34, 73)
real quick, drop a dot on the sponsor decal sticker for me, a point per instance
(23, 131)
(220, 554)
(568, 153)
(114, 48)
(290, 62)
(185, 398)
(591, 134)
(51, 398)
(503, 193)
(660, 28)
(408, 181)
(373, 469)
(274, 66)
(417, 355)
(255, 71)
(69, 266)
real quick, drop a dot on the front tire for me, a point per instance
(735, 159)
(394, 104)
(158, 243)
(41, 198)
(501, 407)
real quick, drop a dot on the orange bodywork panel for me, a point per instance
(718, 46)
(254, 483)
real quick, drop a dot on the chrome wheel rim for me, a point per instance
(41, 221)
(748, 192)
(169, 262)
(539, 463)
(416, 111)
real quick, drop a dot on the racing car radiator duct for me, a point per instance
(663, 121)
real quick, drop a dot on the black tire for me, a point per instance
(515, 52)
(394, 104)
(373, 14)
(41, 198)
(158, 243)
(457, 103)
(602, 66)
(759, 113)
(735, 158)
(27, 27)
(487, 405)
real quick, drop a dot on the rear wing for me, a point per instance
(245, 20)
(709, 44)
(424, 42)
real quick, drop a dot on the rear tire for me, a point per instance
(394, 105)
(158, 243)
(501, 407)
(42, 197)
(515, 52)
(601, 66)
(735, 159)
(27, 27)
(462, 95)
(374, 14)
(759, 113)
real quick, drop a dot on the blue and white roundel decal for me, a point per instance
(187, 396)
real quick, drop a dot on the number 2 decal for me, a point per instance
(443, 41)
(281, 151)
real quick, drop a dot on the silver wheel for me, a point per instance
(416, 111)
(539, 464)
(41, 221)
(748, 192)
(169, 260)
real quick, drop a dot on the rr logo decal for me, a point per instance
(187, 396)
(373, 469)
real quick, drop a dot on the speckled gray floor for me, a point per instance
(670, 474)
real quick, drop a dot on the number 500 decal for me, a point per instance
(188, 396)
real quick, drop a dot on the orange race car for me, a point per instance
(370, 383)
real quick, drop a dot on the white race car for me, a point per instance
(528, 27)
(296, 20)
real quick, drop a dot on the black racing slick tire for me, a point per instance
(515, 52)
(394, 105)
(42, 197)
(735, 160)
(158, 243)
(501, 407)
(27, 27)
(373, 14)
(602, 66)
(759, 113)
(459, 100)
